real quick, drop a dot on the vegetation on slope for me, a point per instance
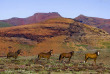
(94, 21)
(59, 34)
(3, 24)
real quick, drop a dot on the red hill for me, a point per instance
(37, 17)
(94, 21)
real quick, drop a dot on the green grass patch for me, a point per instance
(3, 24)
(82, 45)
(107, 44)
(25, 46)
(24, 64)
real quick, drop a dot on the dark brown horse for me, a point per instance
(91, 56)
(45, 55)
(14, 54)
(66, 55)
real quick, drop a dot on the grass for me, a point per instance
(5, 43)
(55, 43)
(107, 44)
(26, 64)
(25, 47)
(3, 24)
(43, 32)
(82, 45)
(30, 64)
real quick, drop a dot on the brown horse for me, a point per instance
(91, 56)
(14, 54)
(45, 55)
(66, 55)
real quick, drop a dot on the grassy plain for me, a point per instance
(31, 65)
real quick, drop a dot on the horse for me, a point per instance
(14, 54)
(45, 55)
(91, 56)
(66, 55)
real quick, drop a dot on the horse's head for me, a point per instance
(97, 52)
(51, 50)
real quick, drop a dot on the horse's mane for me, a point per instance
(18, 51)
(47, 52)
(50, 51)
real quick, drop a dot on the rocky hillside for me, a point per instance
(37, 17)
(86, 34)
(36, 32)
(59, 34)
(96, 22)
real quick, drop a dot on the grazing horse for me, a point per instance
(66, 55)
(14, 54)
(91, 56)
(45, 55)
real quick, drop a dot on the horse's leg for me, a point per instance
(48, 59)
(8, 57)
(39, 57)
(95, 61)
(61, 58)
(86, 60)
(69, 59)
(15, 57)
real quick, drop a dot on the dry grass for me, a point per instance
(55, 43)
(59, 20)
(42, 37)
(29, 64)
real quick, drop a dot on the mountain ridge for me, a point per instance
(37, 17)
(95, 21)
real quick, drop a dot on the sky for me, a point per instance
(66, 8)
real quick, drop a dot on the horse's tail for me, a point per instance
(60, 57)
(38, 56)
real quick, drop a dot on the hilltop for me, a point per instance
(37, 17)
(94, 21)
(41, 17)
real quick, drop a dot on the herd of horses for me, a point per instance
(62, 55)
